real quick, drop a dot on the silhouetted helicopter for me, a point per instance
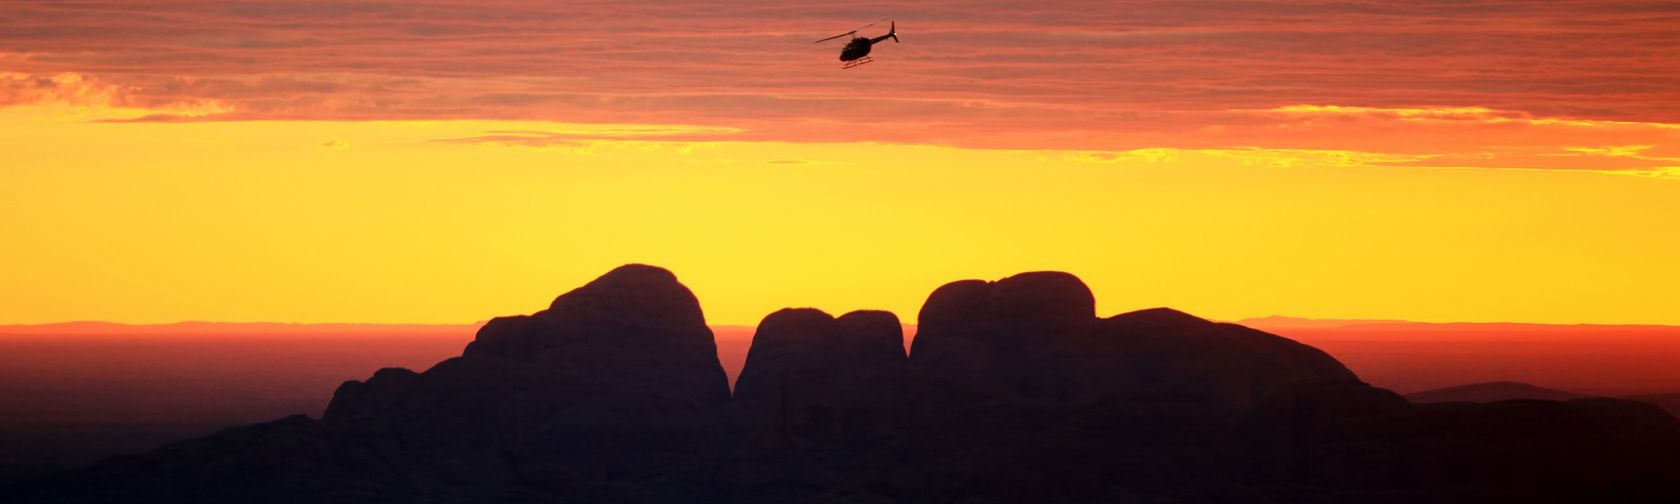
(856, 51)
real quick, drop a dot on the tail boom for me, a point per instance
(892, 33)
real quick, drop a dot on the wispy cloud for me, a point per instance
(583, 134)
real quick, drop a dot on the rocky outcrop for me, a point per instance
(817, 395)
(812, 381)
(1014, 391)
(1003, 340)
(610, 394)
(1170, 355)
(378, 394)
(1036, 337)
(615, 385)
(635, 329)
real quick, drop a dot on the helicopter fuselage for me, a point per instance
(859, 46)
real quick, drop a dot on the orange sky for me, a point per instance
(426, 161)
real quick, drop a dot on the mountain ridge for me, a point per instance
(615, 393)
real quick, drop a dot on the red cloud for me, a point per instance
(1066, 75)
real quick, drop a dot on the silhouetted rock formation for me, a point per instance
(813, 381)
(1035, 336)
(383, 392)
(1014, 392)
(635, 328)
(616, 386)
(817, 394)
(982, 341)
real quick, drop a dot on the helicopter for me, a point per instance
(856, 52)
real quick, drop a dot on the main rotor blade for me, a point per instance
(853, 32)
(872, 23)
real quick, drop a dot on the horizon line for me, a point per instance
(1268, 321)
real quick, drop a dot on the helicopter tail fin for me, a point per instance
(892, 31)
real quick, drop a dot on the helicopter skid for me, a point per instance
(856, 63)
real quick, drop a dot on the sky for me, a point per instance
(450, 161)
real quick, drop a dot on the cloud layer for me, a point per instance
(1563, 84)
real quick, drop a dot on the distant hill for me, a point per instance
(1490, 392)
(1668, 402)
(1480, 331)
(1409, 357)
(1507, 390)
(1286, 322)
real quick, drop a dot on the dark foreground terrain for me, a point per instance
(1014, 391)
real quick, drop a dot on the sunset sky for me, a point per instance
(449, 161)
